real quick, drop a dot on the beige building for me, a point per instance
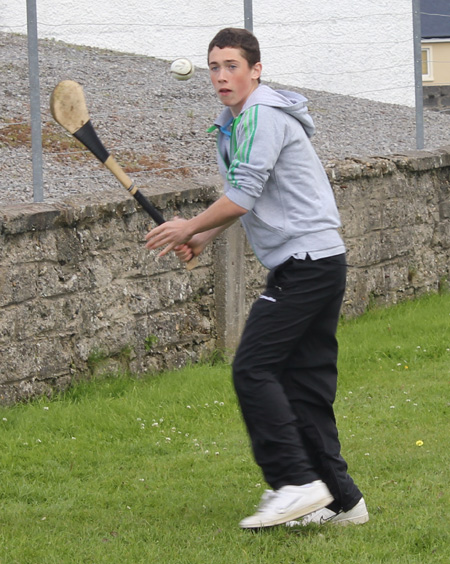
(435, 24)
(436, 62)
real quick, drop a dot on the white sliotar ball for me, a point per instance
(182, 69)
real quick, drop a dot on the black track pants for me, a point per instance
(285, 377)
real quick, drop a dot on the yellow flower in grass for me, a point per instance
(419, 443)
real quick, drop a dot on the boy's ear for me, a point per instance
(256, 71)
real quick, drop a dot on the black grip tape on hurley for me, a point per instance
(149, 208)
(88, 136)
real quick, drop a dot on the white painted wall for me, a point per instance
(362, 48)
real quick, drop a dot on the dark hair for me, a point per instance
(239, 39)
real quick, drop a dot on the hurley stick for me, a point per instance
(68, 108)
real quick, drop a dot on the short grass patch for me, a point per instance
(158, 470)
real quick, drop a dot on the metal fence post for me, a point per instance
(248, 15)
(417, 32)
(35, 107)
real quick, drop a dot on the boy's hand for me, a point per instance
(184, 253)
(171, 234)
(193, 248)
(196, 232)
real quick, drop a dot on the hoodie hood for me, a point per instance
(292, 103)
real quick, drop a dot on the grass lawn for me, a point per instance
(158, 470)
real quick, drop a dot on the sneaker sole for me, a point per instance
(357, 520)
(342, 523)
(294, 514)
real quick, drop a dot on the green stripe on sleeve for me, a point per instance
(242, 155)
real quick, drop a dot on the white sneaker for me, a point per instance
(355, 516)
(288, 503)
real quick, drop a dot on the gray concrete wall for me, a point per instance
(80, 295)
(284, 29)
(437, 97)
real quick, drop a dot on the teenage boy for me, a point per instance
(284, 371)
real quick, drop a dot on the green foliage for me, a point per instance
(159, 469)
(214, 357)
(96, 358)
(150, 342)
(444, 287)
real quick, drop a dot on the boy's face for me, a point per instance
(232, 77)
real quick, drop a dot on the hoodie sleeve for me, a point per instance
(256, 142)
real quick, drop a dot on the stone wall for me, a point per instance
(80, 295)
(396, 217)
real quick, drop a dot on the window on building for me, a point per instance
(426, 64)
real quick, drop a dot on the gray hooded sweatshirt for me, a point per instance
(271, 169)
